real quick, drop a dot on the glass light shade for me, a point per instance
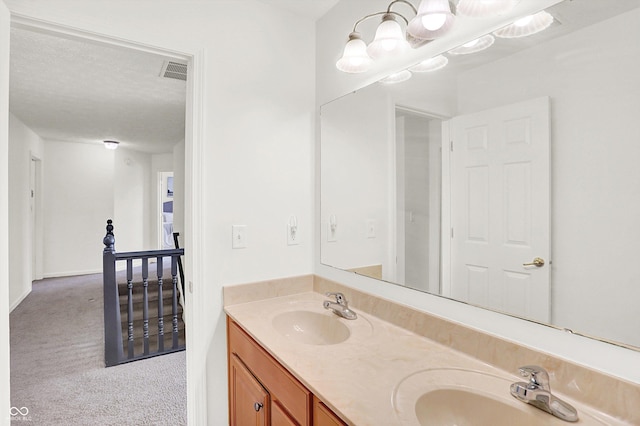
(389, 39)
(526, 26)
(111, 144)
(484, 8)
(474, 46)
(434, 19)
(397, 77)
(432, 64)
(354, 58)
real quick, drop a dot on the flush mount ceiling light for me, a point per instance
(111, 144)
(526, 26)
(474, 46)
(432, 64)
(433, 19)
(397, 77)
(484, 8)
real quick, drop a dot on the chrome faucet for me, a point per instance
(537, 392)
(340, 307)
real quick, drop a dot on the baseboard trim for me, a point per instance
(71, 273)
(20, 299)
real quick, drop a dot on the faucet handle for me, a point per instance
(339, 297)
(537, 375)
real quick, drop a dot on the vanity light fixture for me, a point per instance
(431, 64)
(431, 20)
(111, 144)
(474, 46)
(484, 8)
(526, 26)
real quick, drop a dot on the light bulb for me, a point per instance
(434, 22)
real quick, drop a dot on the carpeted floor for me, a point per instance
(57, 364)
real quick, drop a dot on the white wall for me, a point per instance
(331, 84)
(179, 189)
(257, 102)
(133, 187)
(4, 214)
(78, 199)
(595, 176)
(23, 144)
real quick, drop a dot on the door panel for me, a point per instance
(249, 400)
(500, 207)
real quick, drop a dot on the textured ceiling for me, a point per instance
(74, 90)
(79, 91)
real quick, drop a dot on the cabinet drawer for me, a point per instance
(285, 389)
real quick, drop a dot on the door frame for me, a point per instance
(193, 217)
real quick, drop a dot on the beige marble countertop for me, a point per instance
(377, 374)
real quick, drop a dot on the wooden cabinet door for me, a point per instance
(279, 416)
(249, 401)
(323, 416)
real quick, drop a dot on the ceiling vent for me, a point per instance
(174, 70)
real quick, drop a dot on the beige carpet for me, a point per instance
(57, 364)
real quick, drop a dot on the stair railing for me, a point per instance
(113, 339)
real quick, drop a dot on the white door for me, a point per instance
(500, 205)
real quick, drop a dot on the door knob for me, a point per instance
(257, 406)
(538, 261)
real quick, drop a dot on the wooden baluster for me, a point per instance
(113, 347)
(145, 305)
(160, 271)
(174, 311)
(130, 308)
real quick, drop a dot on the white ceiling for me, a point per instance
(73, 90)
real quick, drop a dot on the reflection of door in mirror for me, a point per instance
(165, 225)
(418, 143)
(499, 161)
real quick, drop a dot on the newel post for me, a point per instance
(113, 351)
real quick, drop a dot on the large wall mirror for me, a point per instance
(509, 179)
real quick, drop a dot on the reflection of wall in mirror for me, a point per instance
(356, 189)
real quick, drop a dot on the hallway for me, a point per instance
(57, 364)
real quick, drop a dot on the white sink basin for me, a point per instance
(449, 396)
(311, 328)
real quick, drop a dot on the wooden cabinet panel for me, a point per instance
(323, 416)
(249, 401)
(292, 396)
(256, 377)
(279, 416)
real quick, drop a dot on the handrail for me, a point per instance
(114, 346)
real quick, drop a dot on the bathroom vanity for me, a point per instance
(263, 392)
(293, 362)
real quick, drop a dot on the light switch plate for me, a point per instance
(371, 228)
(239, 236)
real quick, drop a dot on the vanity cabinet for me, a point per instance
(255, 377)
